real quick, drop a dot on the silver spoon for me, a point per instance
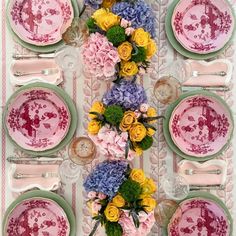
(220, 73)
(43, 175)
(192, 172)
(49, 71)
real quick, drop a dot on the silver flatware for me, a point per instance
(25, 56)
(48, 71)
(196, 73)
(213, 88)
(52, 160)
(43, 175)
(207, 187)
(193, 172)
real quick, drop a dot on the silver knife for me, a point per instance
(192, 88)
(207, 187)
(25, 56)
(52, 160)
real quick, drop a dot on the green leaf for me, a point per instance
(149, 126)
(113, 229)
(126, 149)
(135, 218)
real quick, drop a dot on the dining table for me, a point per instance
(156, 162)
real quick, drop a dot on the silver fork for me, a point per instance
(48, 71)
(43, 175)
(193, 172)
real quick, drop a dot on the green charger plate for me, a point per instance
(177, 46)
(212, 197)
(167, 134)
(74, 117)
(40, 49)
(44, 194)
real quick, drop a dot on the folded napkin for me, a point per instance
(204, 179)
(209, 67)
(20, 185)
(34, 65)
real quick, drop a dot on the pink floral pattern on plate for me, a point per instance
(37, 119)
(200, 125)
(37, 217)
(40, 22)
(199, 217)
(203, 26)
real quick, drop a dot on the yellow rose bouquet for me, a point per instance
(130, 49)
(120, 199)
(122, 128)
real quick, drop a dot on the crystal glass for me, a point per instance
(68, 58)
(82, 151)
(168, 87)
(164, 211)
(175, 186)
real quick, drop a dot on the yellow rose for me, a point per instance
(94, 126)
(112, 213)
(149, 203)
(148, 187)
(128, 119)
(118, 201)
(150, 132)
(108, 3)
(92, 211)
(97, 107)
(125, 50)
(105, 19)
(99, 13)
(151, 48)
(128, 68)
(137, 132)
(152, 112)
(138, 150)
(141, 37)
(138, 175)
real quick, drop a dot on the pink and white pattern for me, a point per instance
(40, 22)
(203, 26)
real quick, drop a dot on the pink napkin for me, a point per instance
(35, 65)
(210, 80)
(203, 179)
(20, 185)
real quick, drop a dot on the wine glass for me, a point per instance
(168, 87)
(175, 186)
(82, 151)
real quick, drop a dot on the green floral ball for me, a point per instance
(130, 190)
(140, 55)
(146, 143)
(114, 114)
(116, 35)
(113, 229)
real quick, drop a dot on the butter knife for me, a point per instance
(26, 56)
(192, 88)
(52, 160)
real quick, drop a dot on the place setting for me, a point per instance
(107, 132)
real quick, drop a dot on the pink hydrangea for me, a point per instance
(112, 144)
(127, 224)
(100, 57)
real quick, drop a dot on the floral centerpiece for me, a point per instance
(120, 199)
(122, 123)
(115, 48)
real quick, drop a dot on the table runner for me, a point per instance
(84, 91)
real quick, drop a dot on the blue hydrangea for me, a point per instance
(107, 177)
(127, 94)
(93, 3)
(139, 13)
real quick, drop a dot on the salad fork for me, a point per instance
(48, 71)
(43, 175)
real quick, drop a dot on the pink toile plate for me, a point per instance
(199, 217)
(37, 216)
(203, 26)
(200, 125)
(40, 23)
(37, 119)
